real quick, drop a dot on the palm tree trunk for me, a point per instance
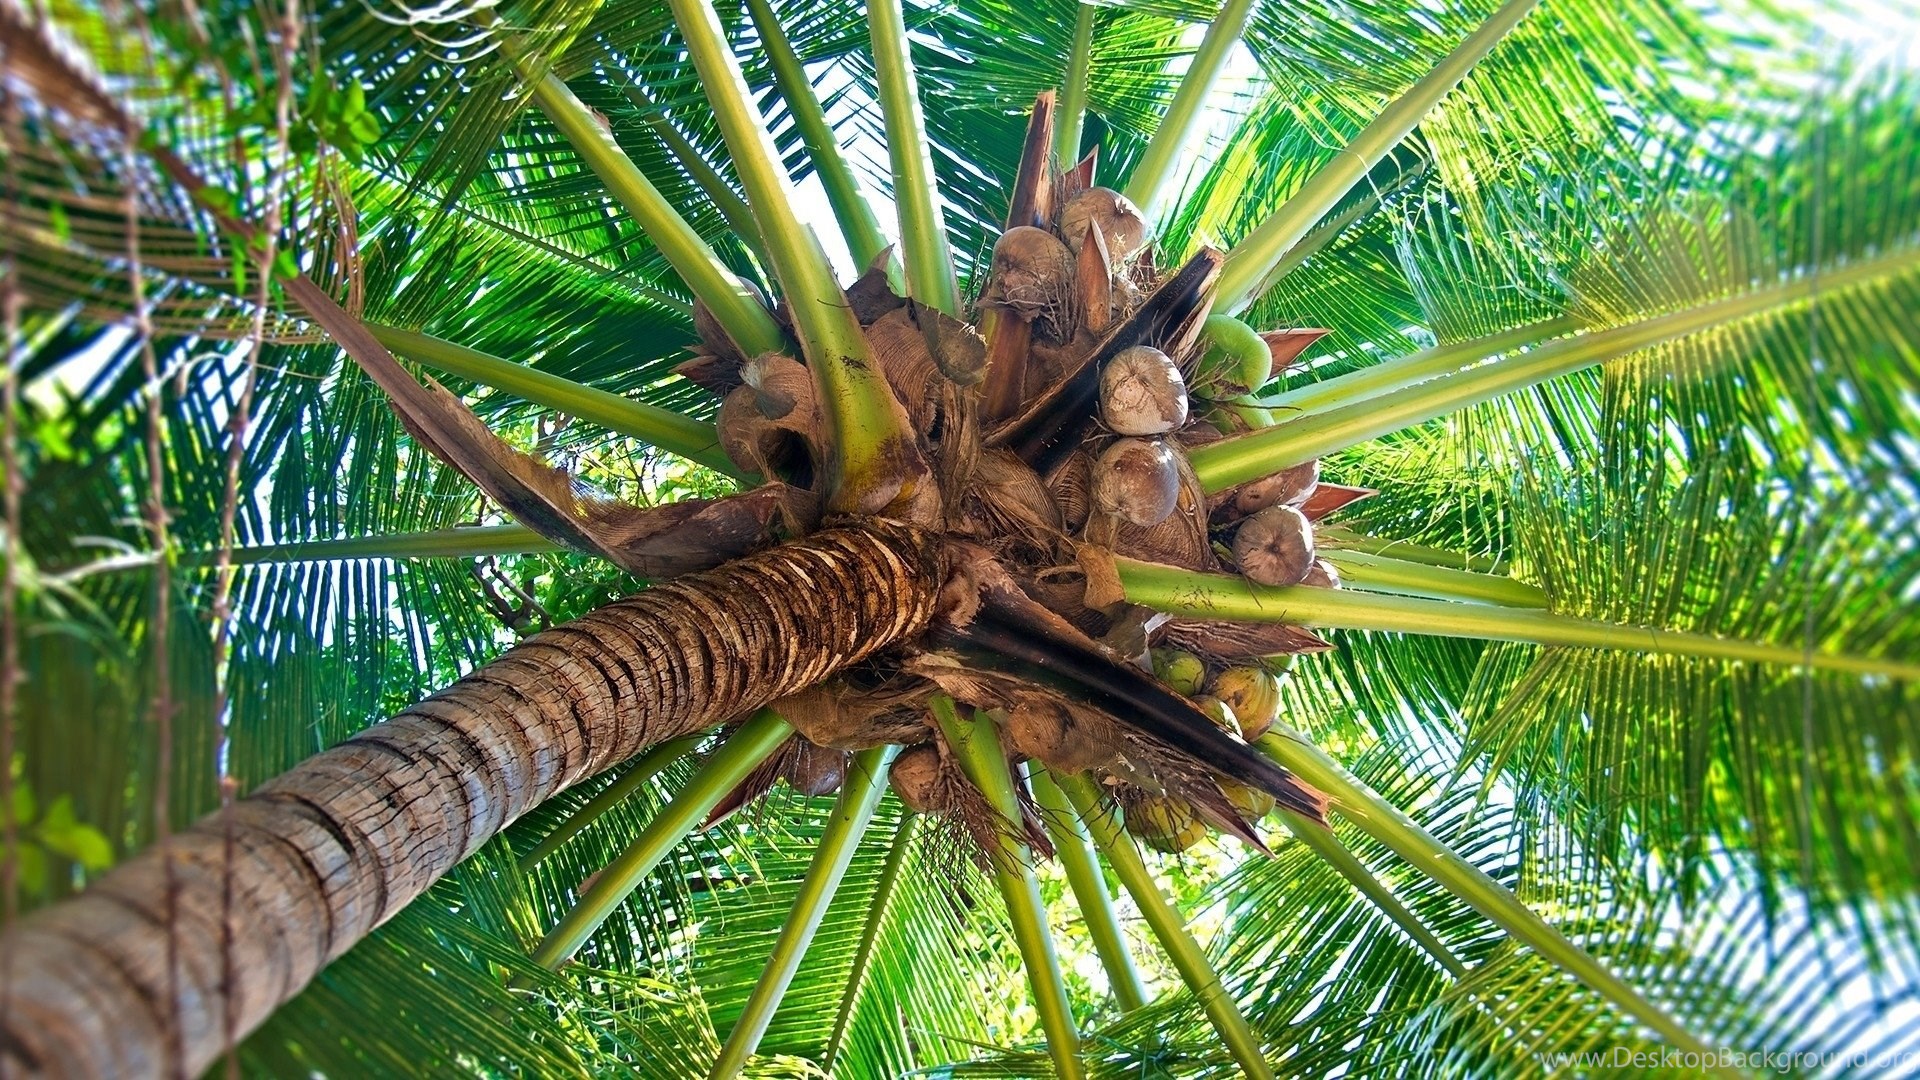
(322, 854)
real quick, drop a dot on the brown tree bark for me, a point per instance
(331, 849)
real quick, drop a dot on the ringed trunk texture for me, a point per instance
(331, 849)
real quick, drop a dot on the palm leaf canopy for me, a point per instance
(1736, 840)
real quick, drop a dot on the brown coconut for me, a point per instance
(1274, 546)
(814, 770)
(1322, 574)
(1288, 487)
(1032, 272)
(1120, 222)
(920, 778)
(1142, 392)
(1138, 480)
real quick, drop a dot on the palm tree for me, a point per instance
(1592, 324)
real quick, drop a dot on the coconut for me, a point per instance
(1219, 712)
(1043, 729)
(1252, 693)
(1233, 358)
(1120, 222)
(1181, 539)
(919, 779)
(1137, 479)
(1322, 575)
(1274, 546)
(815, 770)
(1288, 487)
(1164, 823)
(1248, 801)
(1142, 393)
(1037, 729)
(1032, 271)
(1179, 669)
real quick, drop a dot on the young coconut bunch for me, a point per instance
(1038, 565)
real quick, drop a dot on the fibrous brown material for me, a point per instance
(327, 851)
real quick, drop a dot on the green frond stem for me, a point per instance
(644, 768)
(1235, 599)
(463, 542)
(1404, 371)
(865, 423)
(890, 872)
(1168, 925)
(692, 439)
(1384, 822)
(1070, 115)
(866, 781)
(1251, 262)
(1348, 865)
(858, 223)
(976, 742)
(739, 312)
(1089, 885)
(692, 162)
(1232, 461)
(1403, 577)
(1330, 228)
(740, 754)
(1341, 538)
(923, 228)
(1147, 187)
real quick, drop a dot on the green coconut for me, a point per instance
(1233, 358)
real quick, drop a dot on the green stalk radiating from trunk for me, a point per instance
(738, 311)
(1072, 109)
(1384, 822)
(743, 752)
(864, 421)
(1235, 599)
(923, 229)
(650, 765)
(1169, 926)
(1223, 464)
(858, 223)
(1089, 886)
(1147, 187)
(866, 781)
(976, 743)
(1404, 577)
(1348, 865)
(692, 439)
(1389, 375)
(1330, 229)
(1341, 538)
(704, 176)
(897, 856)
(1252, 260)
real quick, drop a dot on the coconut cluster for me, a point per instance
(1241, 699)
(1073, 301)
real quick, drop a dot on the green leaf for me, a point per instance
(25, 808)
